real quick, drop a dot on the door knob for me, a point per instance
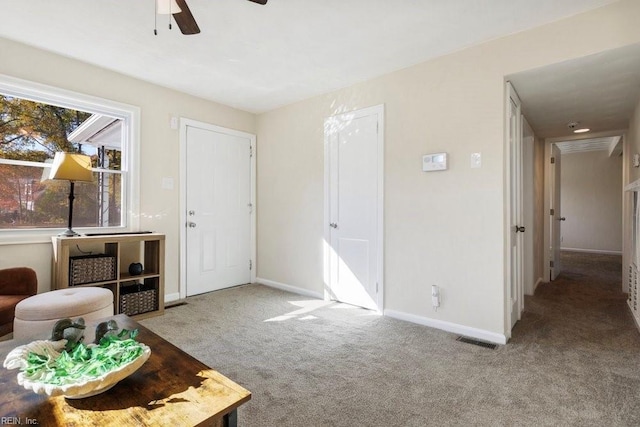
(192, 213)
(562, 218)
(520, 229)
(191, 224)
(333, 225)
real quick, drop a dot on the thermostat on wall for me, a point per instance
(434, 162)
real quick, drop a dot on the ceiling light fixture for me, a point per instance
(165, 7)
(179, 10)
(573, 126)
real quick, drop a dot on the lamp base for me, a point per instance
(68, 233)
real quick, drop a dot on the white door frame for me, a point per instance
(184, 123)
(627, 211)
(509, 229)
(555, 203)
(330, 124)
(528, 208)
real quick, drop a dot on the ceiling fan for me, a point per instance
(183, 17)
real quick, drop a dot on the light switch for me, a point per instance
(173, 123)
(476, 160)
(167, 183)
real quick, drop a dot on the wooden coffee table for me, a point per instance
(171, 388)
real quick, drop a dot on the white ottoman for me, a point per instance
(36, 315)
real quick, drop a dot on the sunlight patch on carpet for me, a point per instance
(306, 306)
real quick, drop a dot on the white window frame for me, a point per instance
(130, 168)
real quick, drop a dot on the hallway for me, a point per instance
(580, 326)
(584, 307)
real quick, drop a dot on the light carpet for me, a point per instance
(574, 358)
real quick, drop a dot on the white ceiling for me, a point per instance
(598, 91)
(257, 58)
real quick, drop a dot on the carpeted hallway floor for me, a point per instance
(574, 358)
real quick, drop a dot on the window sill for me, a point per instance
(35, 237)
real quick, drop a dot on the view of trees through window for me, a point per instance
(30, 135)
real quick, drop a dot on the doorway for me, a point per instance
(354, 144)
(596, 95)
(583, 198)
(217, 208)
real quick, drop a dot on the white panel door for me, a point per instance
(556, 218)
(353, 210)
(218, 204)
(516, 228)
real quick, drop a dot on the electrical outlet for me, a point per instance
(435, 296)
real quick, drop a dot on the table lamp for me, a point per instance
(71, 167)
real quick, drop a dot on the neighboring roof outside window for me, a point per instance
(99, 131)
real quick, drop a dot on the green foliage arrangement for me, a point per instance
(83, 362)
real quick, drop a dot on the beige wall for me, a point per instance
(591, 201)
(159, 145)
(633, 142)
(630, 174)
(446, 228)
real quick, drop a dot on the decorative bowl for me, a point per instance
(17, 358)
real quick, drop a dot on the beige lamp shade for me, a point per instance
(71, 167)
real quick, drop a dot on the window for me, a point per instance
(38, 121)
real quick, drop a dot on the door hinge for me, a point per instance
(250, 205)
(551, 264)
(250, 151)
(552, 212)
(553, 160)
(377, 287)
(250, 265)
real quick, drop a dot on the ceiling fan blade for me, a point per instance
(259, 1)
(185, 20)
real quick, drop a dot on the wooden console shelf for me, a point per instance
(145, 290)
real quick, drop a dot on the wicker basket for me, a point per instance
(91, 268)
(137, 299)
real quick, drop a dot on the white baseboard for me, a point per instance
(433, 323)
(169, 298)
(592, 251)
(449, 327)
(289, 288)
